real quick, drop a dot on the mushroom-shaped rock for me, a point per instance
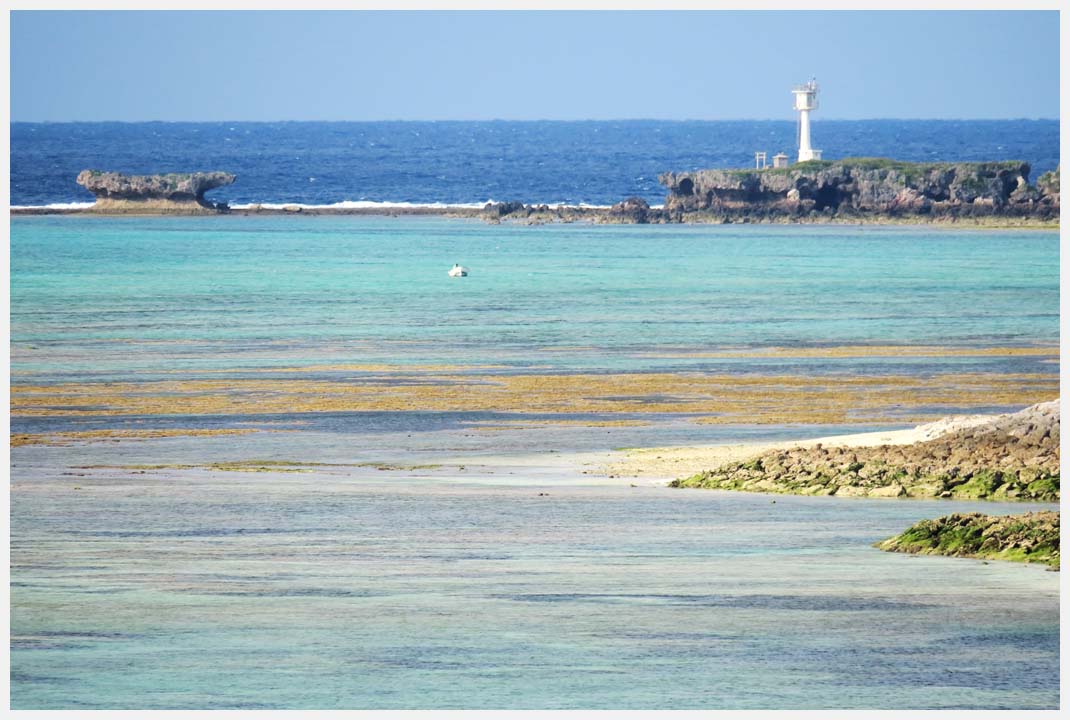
(171, 188)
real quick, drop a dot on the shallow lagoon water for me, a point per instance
(460, 585)
(110, 298)
(185, 589)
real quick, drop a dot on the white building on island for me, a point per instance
(805, 101)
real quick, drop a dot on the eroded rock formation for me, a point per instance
(173, 192)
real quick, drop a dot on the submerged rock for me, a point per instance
(1032, 537)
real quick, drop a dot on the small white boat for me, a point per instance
(458, 271)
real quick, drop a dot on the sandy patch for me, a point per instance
(669, 463)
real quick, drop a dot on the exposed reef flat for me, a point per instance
(59, 439)
(1007, 457)
(717, 399)
(1031, 537)
(848, 191)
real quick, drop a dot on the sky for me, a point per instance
(366, 65)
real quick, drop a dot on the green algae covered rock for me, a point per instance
(1032, 537)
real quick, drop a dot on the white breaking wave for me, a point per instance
(358, 205)
(344, 205)
(387, 205)
(56, 206)
(589, 206)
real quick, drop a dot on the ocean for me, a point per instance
(286, 462)
(595, 162)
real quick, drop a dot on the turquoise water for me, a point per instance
(193, 590)
(120, 296)
(459, 585)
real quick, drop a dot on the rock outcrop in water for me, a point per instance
(854, 190)
(518, 213)
(1048, 185)
(1011, 457)
(1032, 537)
(860, 189)
(634, 210)
(177, 193)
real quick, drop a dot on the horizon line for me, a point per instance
(535, 120)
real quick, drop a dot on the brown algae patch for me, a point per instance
(564, 422)
(393, 370)
(234, 466)
(723, 398)
(58, 439)
(258, 466)
(860, 351)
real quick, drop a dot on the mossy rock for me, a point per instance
(1032, 537)
(982, 485)
(1044, 489)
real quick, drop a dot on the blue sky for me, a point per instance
(529, 65)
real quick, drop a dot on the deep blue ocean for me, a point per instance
(597, 162)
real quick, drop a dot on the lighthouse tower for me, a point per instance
(805, 101)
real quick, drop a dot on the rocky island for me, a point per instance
(852, 190)
(863, 190)
(170, 194)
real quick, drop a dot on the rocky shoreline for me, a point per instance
(1011, 457)
(1031, 538)
(849, 191)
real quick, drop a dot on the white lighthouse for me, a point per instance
(805, 101)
